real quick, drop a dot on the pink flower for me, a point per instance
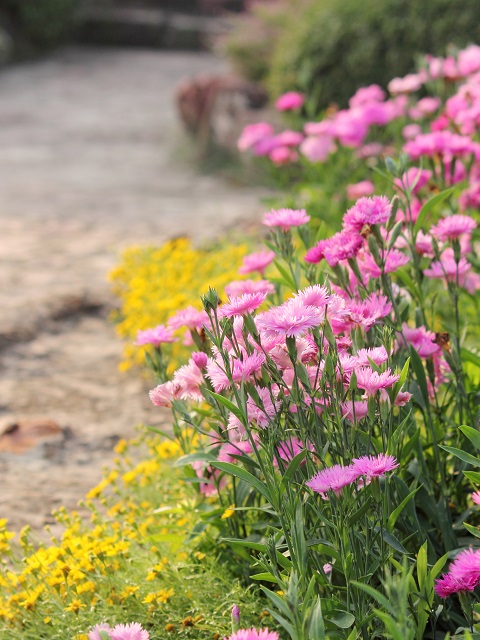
(453, 227)
(239, 287)
(164, 394)
(288, 449)
(230, 449)
(293, 318)
(369, 211)
(200, 359)
(371, 381)
(132, 631)
(289, 138)
(241, 305)
(410, 83)
(252, 134)
(378, 355)
(463, 574)
(257, 261)
(283, 155)
(476, 497)
(253, 634)
(402, 398)
(190, 318)
(289, 101)
(315, 296)
(449, 584)
(342, 246)
(413, 180)
(448, 269)
(374, 466)
(332, 479)
(94, 633)
(317, 148)
(189, 378)
(156, 336)
(411, 131)
(355, 411)
(241, 371)
(327, 568)
(422, 340)
(285, 218)
(360, 189)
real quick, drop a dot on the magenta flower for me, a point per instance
(156, 336)
(292, 318)
(239, 287)
(371, 381)
(290, 101)
(200, 359)
(131, 631)
(253, 634)
(463, 574)
(253, 134)
(342, 246)
(257, 261)
(230, 449)
(476, 497)
(332, 479)
(378, 355)
(374, 466)
(246, 303)
(422, 340)
(286, 218)
(355, 411)
(315, 296)
(360, 189)
(453, 227)
(367, 211)
(449, 584)
(288, 449)
(241, 371)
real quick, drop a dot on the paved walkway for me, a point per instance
(90, 162)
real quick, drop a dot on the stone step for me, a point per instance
(148, 27)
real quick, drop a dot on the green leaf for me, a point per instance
(472, 434)
(393, 541)
(316, 627)
(470, 356)
(228, 404)
(392, 518)
(380, 598)
(342, 619)
(418, 369)
(293, 467)
(474, 476)
(463, 455)
(429, 205)
(241, 473)
(201, 456)
(288, 280)
(268, 577)
(473, 530)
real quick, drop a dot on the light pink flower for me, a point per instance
(371, 381)
(290, 101)
(241, 370)
(257, 261)
(411, 131)
(285, 218)
(131, 631)
(378, 355)
(164, 394)
(476, 497)
(316, 296)
(408, 84)
(413, 180)
(253, 634)
(402, 398)
(230, 449)
(246, 303)
(190, 317)
(189, 378)
(94, 633)
(317, 148)
(289, 138)
(332, 479)
(342, 246)
(200, 359)
(448, 269)
(374, 466)
(288, 449)
(355, 411)
(360, 189)
(292, 318)
(155, 336)
(239, 287)
(453, 227)
(283, 155)
(421, 338)
(252, 134)
(327, 568)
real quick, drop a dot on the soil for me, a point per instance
(89, 165)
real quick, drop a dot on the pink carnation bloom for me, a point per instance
(365, 95)
(317, 148)
(252, 134)
(476, 497)
(288, 449)
(239, 287)
(463, 574)
(241, 305)
(411, 131)
(94, 633)
(360, 189)
(131, 631)
(241, 371)
(402, 398)
(315, 296)
(189, 378)
(413, 179)
(449, 584)
(371, 381)
(374, 466)
(453, 227)
(253, 634)
(421, 338)
(327, 568)
(393, 260)
(200, 359)
(164, 394)
(355, 411)
(332, 479)
(378, 355)
(448, 269)
(292, 318)
(156, 336)
(289, 138)
(190, 318)
(369, 211)
(285, 218)
(408, 84)
(365, 313)
(289, 101)
(231, 449)
(257, 261)
(341, 246)
(283, 155)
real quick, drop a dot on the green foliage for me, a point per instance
(328, 49)
(41, 24)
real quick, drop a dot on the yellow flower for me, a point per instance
(75, 606)
(228, 513)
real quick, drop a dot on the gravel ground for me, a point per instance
(89, 164)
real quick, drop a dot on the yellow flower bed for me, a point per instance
(155, 282)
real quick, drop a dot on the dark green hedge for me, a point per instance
(332, 47)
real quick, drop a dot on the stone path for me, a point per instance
(89, 164)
